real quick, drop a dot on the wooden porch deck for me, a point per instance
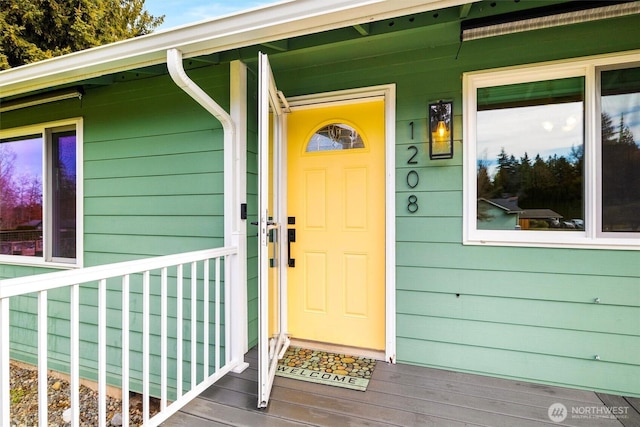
(398, 395)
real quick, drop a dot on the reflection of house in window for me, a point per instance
(539, 219)
(505, 214)
(498, 214)
(25, 240)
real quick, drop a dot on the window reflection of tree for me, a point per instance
(620, 177)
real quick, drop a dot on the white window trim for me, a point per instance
(44, 130)
(590, 238)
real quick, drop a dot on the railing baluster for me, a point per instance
(179, 342)
(194, 322)
(4, 362)
(163, 339)
(205, 314)
(145, 346)
(74, 369)
(227, 311)
(126, 287)
(217, 314)
(102, 352)
(43, 404)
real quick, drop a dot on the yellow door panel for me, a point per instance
(315, 282)
(356, 267)
(336, 191)
(315, 196)
(355, 199)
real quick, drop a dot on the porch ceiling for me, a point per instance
(375, 28)
(263, 25)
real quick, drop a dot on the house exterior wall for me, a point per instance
(498, 219)
(153, 185)
(514, 312)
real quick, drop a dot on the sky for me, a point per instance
(180, 12)
(546, 130)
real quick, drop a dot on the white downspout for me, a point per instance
(235, 316)
(179, 76)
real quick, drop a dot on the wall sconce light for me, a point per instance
(441, 130)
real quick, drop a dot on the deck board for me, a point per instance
(628, 412)
(634, 402)
(398, 395)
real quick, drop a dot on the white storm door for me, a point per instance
(272, 341)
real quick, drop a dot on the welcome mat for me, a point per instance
(340, 370)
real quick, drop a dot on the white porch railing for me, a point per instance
(207, 361)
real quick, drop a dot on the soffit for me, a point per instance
(254, 27)
(431, 23)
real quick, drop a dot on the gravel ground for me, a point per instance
(24, 402)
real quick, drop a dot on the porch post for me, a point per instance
(238, 238)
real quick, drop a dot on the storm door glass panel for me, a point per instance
(620, 151)
(21, 196)
(63, 198)
(335, 136)
(530, 155)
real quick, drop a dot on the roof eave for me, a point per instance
(253, 27)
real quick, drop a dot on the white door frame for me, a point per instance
(388, 93)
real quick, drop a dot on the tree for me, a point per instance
(485, 186)
(620, 179)
(625, 136)
(608, 131)
(33, 30)
(506, 179)
(525, 175)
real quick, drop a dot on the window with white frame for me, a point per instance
(552, 154)
(39, 193)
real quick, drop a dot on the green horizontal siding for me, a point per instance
(540, 313)
(443, 203)
(155, 205)
(153, 185)
(613, 378)
(516, 312)
(560, 261)
(542, 286)
(179, 226)
(187, 165)
(183, 184)
(152, 144)
(561, 342)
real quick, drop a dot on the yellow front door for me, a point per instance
(336, 192)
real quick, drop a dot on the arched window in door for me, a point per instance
(335, 136)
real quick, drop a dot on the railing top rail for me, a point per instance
(59, 279)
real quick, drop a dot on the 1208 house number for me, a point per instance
(413, 179)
